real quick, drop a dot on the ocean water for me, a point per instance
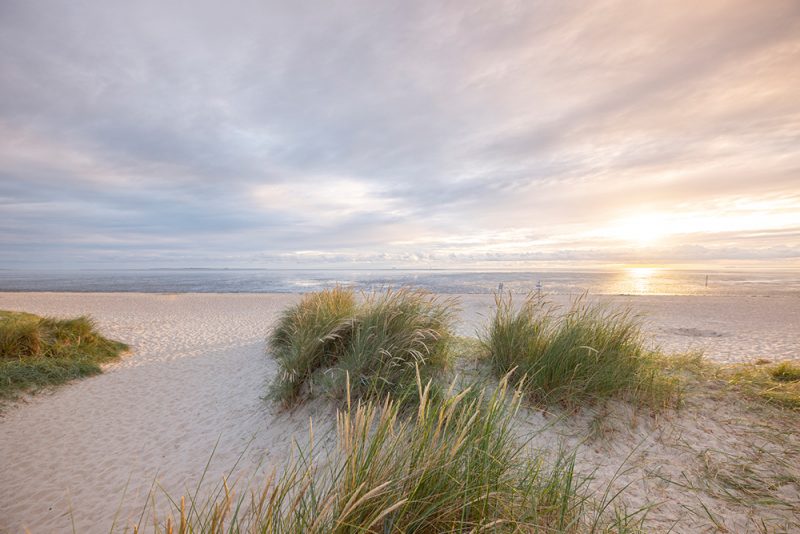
(638, 281)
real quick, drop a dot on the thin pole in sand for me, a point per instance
(706, 280)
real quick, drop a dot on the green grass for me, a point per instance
(309, 336)
(453, 466)
(786, 372)
(775, 383)
(37, 352)
(587, 353)
(378, 342)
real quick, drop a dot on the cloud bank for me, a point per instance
(357, 133)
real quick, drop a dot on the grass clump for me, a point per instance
(786, 372)
(778, 383)
(309, 336)
(454, 466)
(589, 352)
(395, 335)
(37, 351)
(378, 342)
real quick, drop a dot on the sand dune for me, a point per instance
(197, 372)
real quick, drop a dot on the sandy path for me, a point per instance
(196, 375)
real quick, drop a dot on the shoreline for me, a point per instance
(515, 291)
(557, 296)
(622, 282)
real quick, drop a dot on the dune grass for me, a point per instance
(589, 352)
(453, 466)
(775, 383)
(37, 352)
(309, 336)
(786, 372)
(378, 343)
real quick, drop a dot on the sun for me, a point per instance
(642, 230)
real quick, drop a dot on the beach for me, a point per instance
(194, 380)
(385, 268)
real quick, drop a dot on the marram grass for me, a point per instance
(776, 383)
(36, 351)
(588, 352)
(786, 372)
(454, 465)
(378, 342)
(309, 336)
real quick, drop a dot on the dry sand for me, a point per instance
(197, 371)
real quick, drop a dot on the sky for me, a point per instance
(496, 134)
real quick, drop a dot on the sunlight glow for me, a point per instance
(642, 230)
(639, 278)
(724, 217)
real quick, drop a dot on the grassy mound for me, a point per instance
(378, 343)
(36, 351)
(588, 352)
(454, 467)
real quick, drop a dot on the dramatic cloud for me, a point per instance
(497, 133)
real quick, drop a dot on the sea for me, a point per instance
(631, 281)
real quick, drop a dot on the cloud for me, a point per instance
(326, 199)
(250, 133)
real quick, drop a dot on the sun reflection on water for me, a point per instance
(640, 278)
